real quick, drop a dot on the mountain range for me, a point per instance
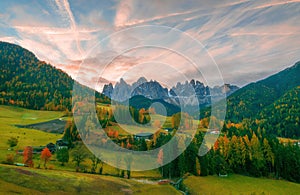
(153, 90)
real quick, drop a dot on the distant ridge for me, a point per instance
(153, 90)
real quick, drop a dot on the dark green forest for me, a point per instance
(282, 118)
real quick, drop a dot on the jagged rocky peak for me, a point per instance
(108, 89)
(189, 88)
(140, 81)
(151, 89)
(122, 81)
(154, 90)
(121, 92)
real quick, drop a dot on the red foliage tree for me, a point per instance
(128, 146)
(216, 145)
(27, 156)
(116, 134)
(45, 156)
(110, 133)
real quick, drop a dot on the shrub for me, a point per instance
(12, 142)
(9, 159)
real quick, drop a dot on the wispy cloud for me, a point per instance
(278, 3)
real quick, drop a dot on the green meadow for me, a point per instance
(11, 116)
(238, 184)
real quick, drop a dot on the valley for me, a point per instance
(255, 148)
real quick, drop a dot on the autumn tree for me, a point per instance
(28, 156)
(256, 156)
(204, 123)
(175, 120)
(268, 154)
(157, 124)
(116, 134)
(45, 156)
(243, 153)
(233, 156)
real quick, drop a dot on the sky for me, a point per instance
(167, 40)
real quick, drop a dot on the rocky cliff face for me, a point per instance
(121, 92)
(151, 90)
(108, 89)
(192, 93)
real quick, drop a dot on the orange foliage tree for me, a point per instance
(116, 134)
(157, 124)
(45, 156)
(27, 156)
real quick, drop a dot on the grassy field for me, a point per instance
(37, 181)
(238, 184)
(10, 116)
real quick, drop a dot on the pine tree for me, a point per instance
(268, 154)
(256, 156)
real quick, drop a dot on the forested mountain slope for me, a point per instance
(250, 100)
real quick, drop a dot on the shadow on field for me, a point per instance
(53, 126)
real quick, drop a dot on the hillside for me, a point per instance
(38, 181)
(248, 101)
(282, 116)
(27, 82)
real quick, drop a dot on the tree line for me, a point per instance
(253, 153)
